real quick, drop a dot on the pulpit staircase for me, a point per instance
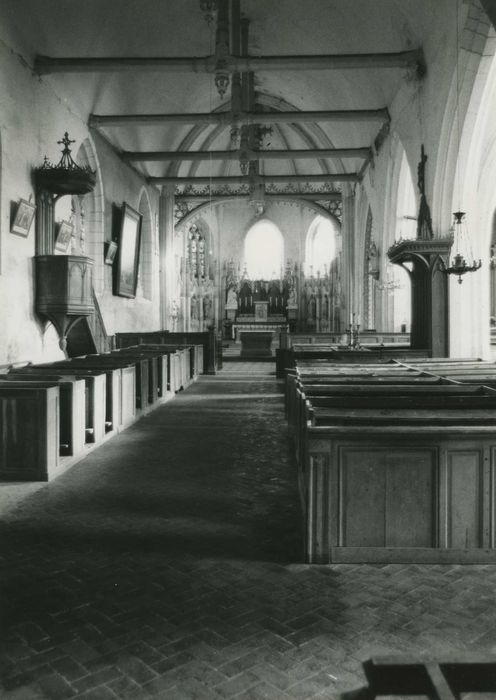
(89, 336)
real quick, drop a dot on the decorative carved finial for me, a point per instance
(424, 222)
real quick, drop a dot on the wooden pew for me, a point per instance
(394, 465)
(178, 362)
(420, 491)
(120, 386)
(77, 403)
(209, 358)
(289, 358)
(72, 406)
(29, 434)
(140, 376)
(161, 369)
(90, 411)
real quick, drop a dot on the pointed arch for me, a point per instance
(264, 250)
(371, 273)
(321, 245)
(92, 206)
(145, 272)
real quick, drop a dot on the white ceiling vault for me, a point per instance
(100, 55)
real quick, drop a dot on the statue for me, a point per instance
(194, 309)
(292, 300)
(232, 299)
(207, 307)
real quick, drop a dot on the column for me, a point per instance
(166, 251)
(349, 263)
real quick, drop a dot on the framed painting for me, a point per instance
(111, 250)
(128, 252)
(23, 218)
(64, 234)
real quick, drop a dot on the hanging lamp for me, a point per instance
(457, 264)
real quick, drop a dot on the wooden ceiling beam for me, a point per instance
(253, 180)
(240, 64)
(296, 154)
(316, 196)
(248, 118)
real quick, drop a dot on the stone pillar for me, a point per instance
(166, 250)
(349, 264)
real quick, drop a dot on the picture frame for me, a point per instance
(126, 278)
(64, 233)
(110, 252)
(23, 218)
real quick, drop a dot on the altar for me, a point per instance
(256, 343)
(251, 324)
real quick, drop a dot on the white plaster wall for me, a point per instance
(32, 119)
(424, 112)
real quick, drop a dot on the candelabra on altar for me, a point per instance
(353, 333)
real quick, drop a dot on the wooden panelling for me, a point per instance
(29, 433)
(362, 504)
(318, 513)
(128, 396)
(410, 498)
(464, 493)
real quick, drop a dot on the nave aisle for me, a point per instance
(166, 565)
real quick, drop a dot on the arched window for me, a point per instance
(145, 273)
(196, 253)
(406, 203)
(398, 281)
(264, 251)
(320, 249)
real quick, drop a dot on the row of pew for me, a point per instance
(53, 414)
(367, 337)
(287, 358)
(396, 461)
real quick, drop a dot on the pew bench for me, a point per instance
(73, 426)
(396, 463)
(30, 430)
(422, 491)
(120, 403)
(92, 408)
(208, 359)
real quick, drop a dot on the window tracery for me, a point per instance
(196, 253)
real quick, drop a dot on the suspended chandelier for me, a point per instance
(458, 265)
(461, 241)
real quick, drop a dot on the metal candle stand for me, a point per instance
(353, 334)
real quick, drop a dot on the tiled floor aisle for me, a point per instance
(166, 565)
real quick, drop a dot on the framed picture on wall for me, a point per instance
(64, 233)
(126, 278)
(23, 218)
(111, 250)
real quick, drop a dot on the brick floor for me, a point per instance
(167, 565)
